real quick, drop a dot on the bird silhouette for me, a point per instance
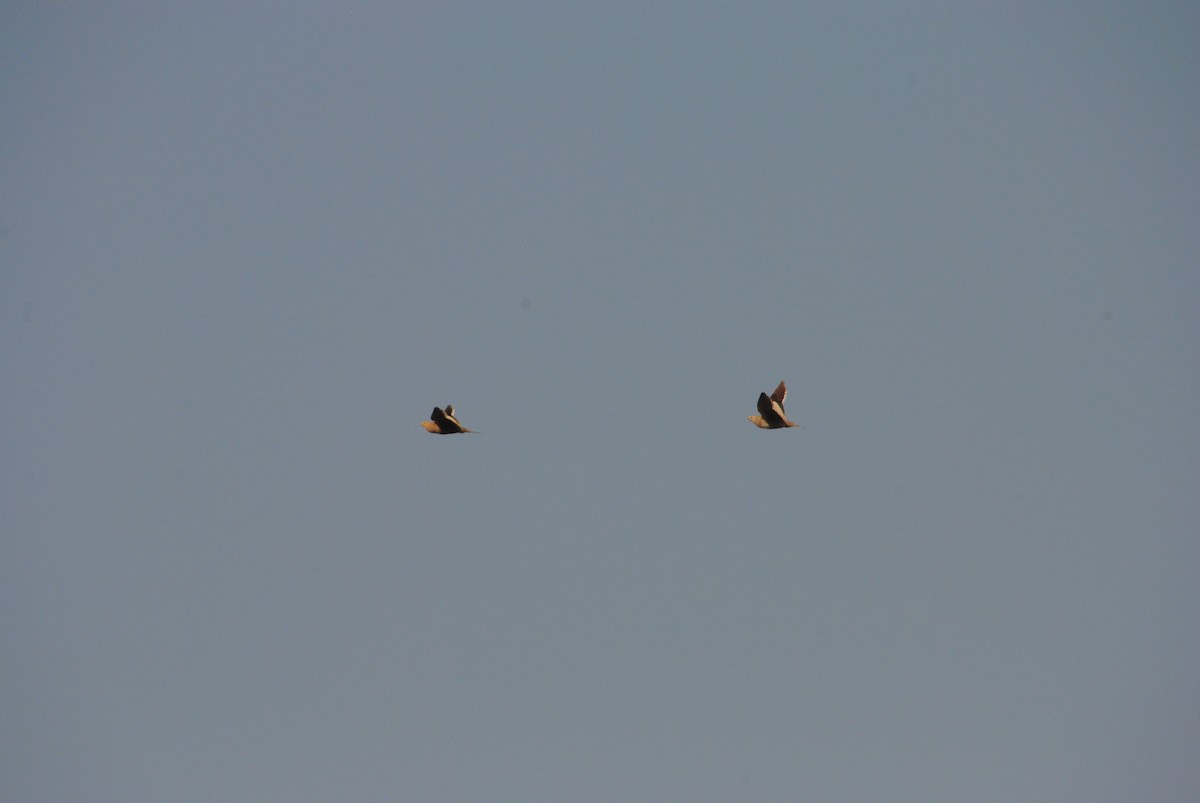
(444, 422)
(770, 410)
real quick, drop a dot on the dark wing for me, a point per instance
(446, 423)
(764, 406)
(450, 410)
(770, 415)
(779, 395)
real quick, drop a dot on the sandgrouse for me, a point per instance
(770, 410)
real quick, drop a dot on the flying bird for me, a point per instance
(770, 410)
(444, 422)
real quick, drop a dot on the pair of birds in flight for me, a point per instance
(770, 415)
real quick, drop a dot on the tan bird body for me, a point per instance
(444, 422)
(770, 410)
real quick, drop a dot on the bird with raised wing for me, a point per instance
(444, 422)
(770, 410)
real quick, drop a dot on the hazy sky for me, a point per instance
(246, 248)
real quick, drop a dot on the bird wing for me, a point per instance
(445, 421)
(764, 405)
(771, 411)
(779, 395)
(441, 419)
(767, 409)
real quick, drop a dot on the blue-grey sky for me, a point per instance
(246, 249)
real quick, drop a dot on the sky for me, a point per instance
(246, 248)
